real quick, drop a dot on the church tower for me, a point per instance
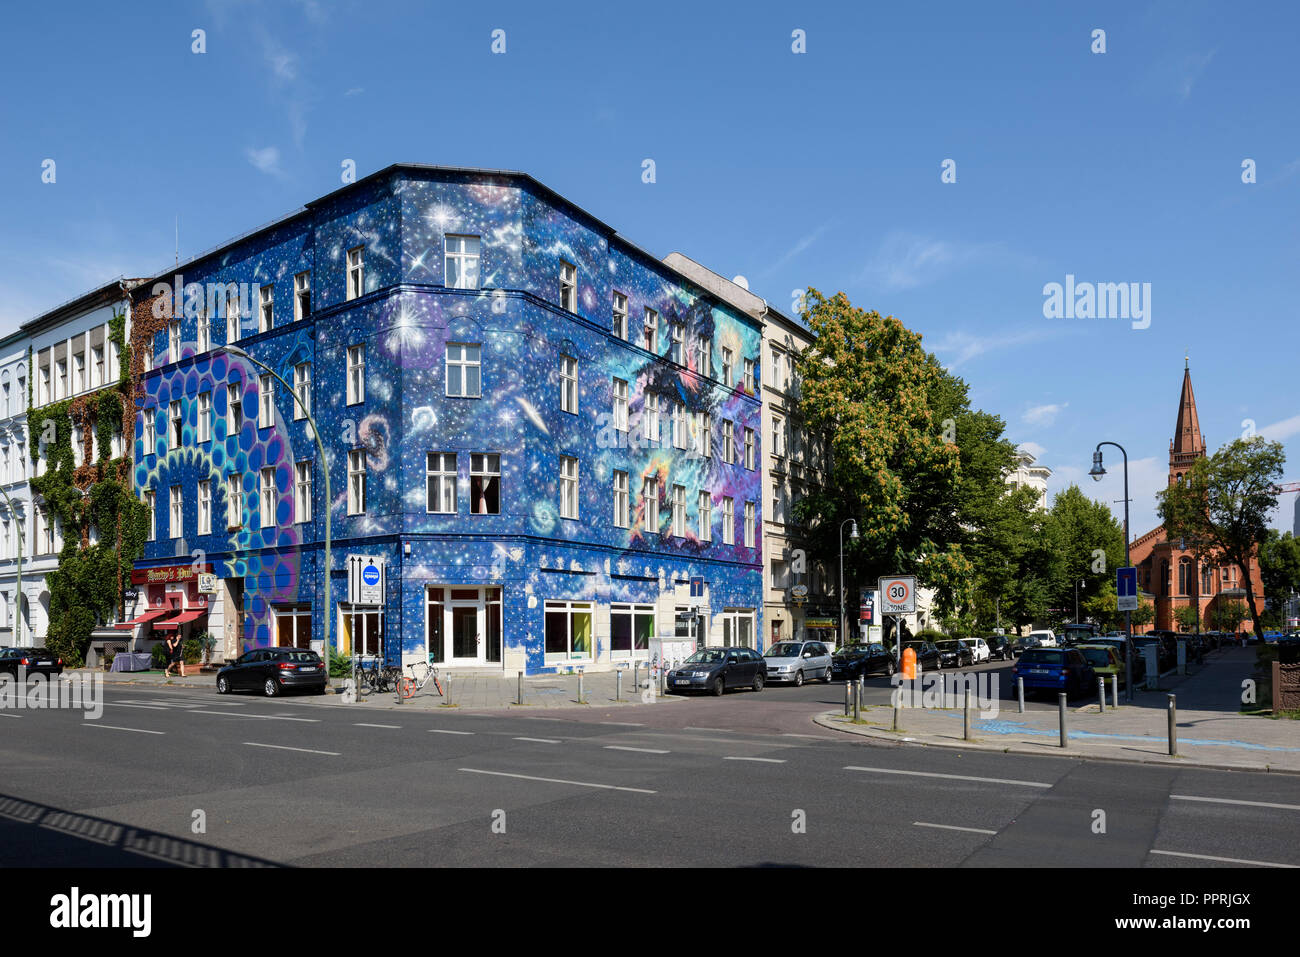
(1187, 444)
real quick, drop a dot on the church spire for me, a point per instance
(1187, 445)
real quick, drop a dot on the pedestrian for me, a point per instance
(173, 646)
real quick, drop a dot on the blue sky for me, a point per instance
(816, 169)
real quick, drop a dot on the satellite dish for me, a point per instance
(741, 281)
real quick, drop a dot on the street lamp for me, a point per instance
(18, 598)
(1076, 599)
(853, 534)
(1097, 471)
(236, 350)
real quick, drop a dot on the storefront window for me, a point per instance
(292, 626)
(568, 629)
(631, 627)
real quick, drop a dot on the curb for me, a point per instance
(895, 738)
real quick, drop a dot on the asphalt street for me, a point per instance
(742, 780)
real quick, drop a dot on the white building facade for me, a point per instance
(15, 498)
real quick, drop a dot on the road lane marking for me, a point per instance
(792, 734)
(625, 724)
(953, 827)
(534, 717)
(581, 784)
(261, 717)
(445, 731)
(362, 724)
(620, 747)
(1192, 797)
(539, 740)
(1225, 860)
(3, 715)
(113, 727)
(281, 747)
(726, 730)
(146, 707)
(954, 777)
(764, 760)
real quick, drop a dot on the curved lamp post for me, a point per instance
(853, 534)
(1097, 471)
(236, 350)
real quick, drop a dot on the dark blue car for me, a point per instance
(1055, 669)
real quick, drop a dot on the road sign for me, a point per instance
(799, 593)
(207, 583)
(898, 595)
(365, 580)
(697, 586)
(867, 608)
(1126, 588)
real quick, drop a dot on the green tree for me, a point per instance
(1227, 615)
(1279, 564)
(1143, 615)
(1090, 543)
(1223, 504)
(1187, 617)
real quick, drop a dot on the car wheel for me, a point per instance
(798, 680)
(759, 681)
(827, 677)
(270, 688)
(889, 668)
(223, 684)
(718, 687)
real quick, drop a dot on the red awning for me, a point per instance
(147, 616)
(182, 618)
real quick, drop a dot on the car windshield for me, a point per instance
(1043, 656)
(706, 656)
(946, 645)
(854, 649)
(1097, 656)
(786, 649)
(305, 656)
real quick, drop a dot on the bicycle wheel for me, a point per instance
(407, 687)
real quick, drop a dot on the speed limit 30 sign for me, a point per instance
(898, 595)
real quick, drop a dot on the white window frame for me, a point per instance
(703, 355)
(234, 409)
(676, 335)
(620, 499)
(728, 441)
(205, 507)
(175, 425)
(728, 520)
(176, 513)
(568, 286)
(749, 376)
(650, 417)
(680, 428)
(266, 504)
(459, 251)
(650, 339)
(203, 332)
(463, 363)
(728, 362)
(356, 267)
(620, 315)
(234, 501)
(150, 502)
(302, 491)
(619, 390)
(485, 466)
(266, 401)
(750, 516)
(301, 388)
(234, 327)
(150, 430)
(266, 308)
(704, 434)
(705, 508)
(778, 436)
(650, 504)
(568, 384)
(749, 449)
(301, 296)
(357, 373)
(356, 481)
(679, 511)
(568, 486)
(173, 341)
(440, 491)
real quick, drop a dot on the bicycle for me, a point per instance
(416, 682)
(374, 676)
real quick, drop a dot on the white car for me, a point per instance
(979, 648)
(797, 662)
(1045, 639)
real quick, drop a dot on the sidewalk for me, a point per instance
(1211, 731)
(470, 692)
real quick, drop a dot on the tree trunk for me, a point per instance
(1250, 599)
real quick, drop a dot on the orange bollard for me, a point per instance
(909, 663)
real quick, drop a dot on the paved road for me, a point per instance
(301, 781)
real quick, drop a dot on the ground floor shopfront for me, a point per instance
(512, 605)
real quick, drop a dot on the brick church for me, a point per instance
(1172, 577)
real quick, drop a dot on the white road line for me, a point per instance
(113, 727)
(953, 827)
(539, 740)
(261, 717)
(954, 777)
(3, 715)
(146, 707)
(534, 717)
(362, 724)
(1225, 860)
(792, 734)
(446, 731)
(625, 724)
(1191, 797)
(727, 730)
(764, 760)
(619, 747)
(281, 747)
(581, 784)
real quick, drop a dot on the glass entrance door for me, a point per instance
(466, 632)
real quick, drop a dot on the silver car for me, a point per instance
(798, 661)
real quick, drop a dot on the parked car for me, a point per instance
(979, 648)
(34, 661)
(1055, 669)
(954, 654)
(1120, 644)
(795, 661)
(1105, 661)
(1166, 656)
(274, 671)
(715, 669)
(927, 655)
(1046, 638)
(854, 661)
(1001, 648)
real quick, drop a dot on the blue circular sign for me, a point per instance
(370, 575)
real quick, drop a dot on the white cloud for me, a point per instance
(1033, 448)
(1043, 414)
(1281, 430)
(905, 261)
(796, 249)
(267, 160)
(963, 346)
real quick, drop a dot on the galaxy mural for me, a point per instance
(462, 412)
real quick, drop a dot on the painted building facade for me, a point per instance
(15, 496)
(528, 423)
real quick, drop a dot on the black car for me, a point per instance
(927, 655)
(859, 659)
(1000, 648)
(33, 661)
(954, 654)
(274, 671)
(717, 669)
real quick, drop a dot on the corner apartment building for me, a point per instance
(796, 604)
(15, 497)
(537, 434)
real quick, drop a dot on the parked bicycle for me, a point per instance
(422, 672)
(374, 676)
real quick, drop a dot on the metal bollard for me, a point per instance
(579, 687)
(449, 690)
(1060, 704)
(848, 693)
(519, 691)
(965, 717)
(1114, 691)
(618, 685)
(1020, 688)
(636, 676)
(1101, 694)
(857, 701)
(1173, 726)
